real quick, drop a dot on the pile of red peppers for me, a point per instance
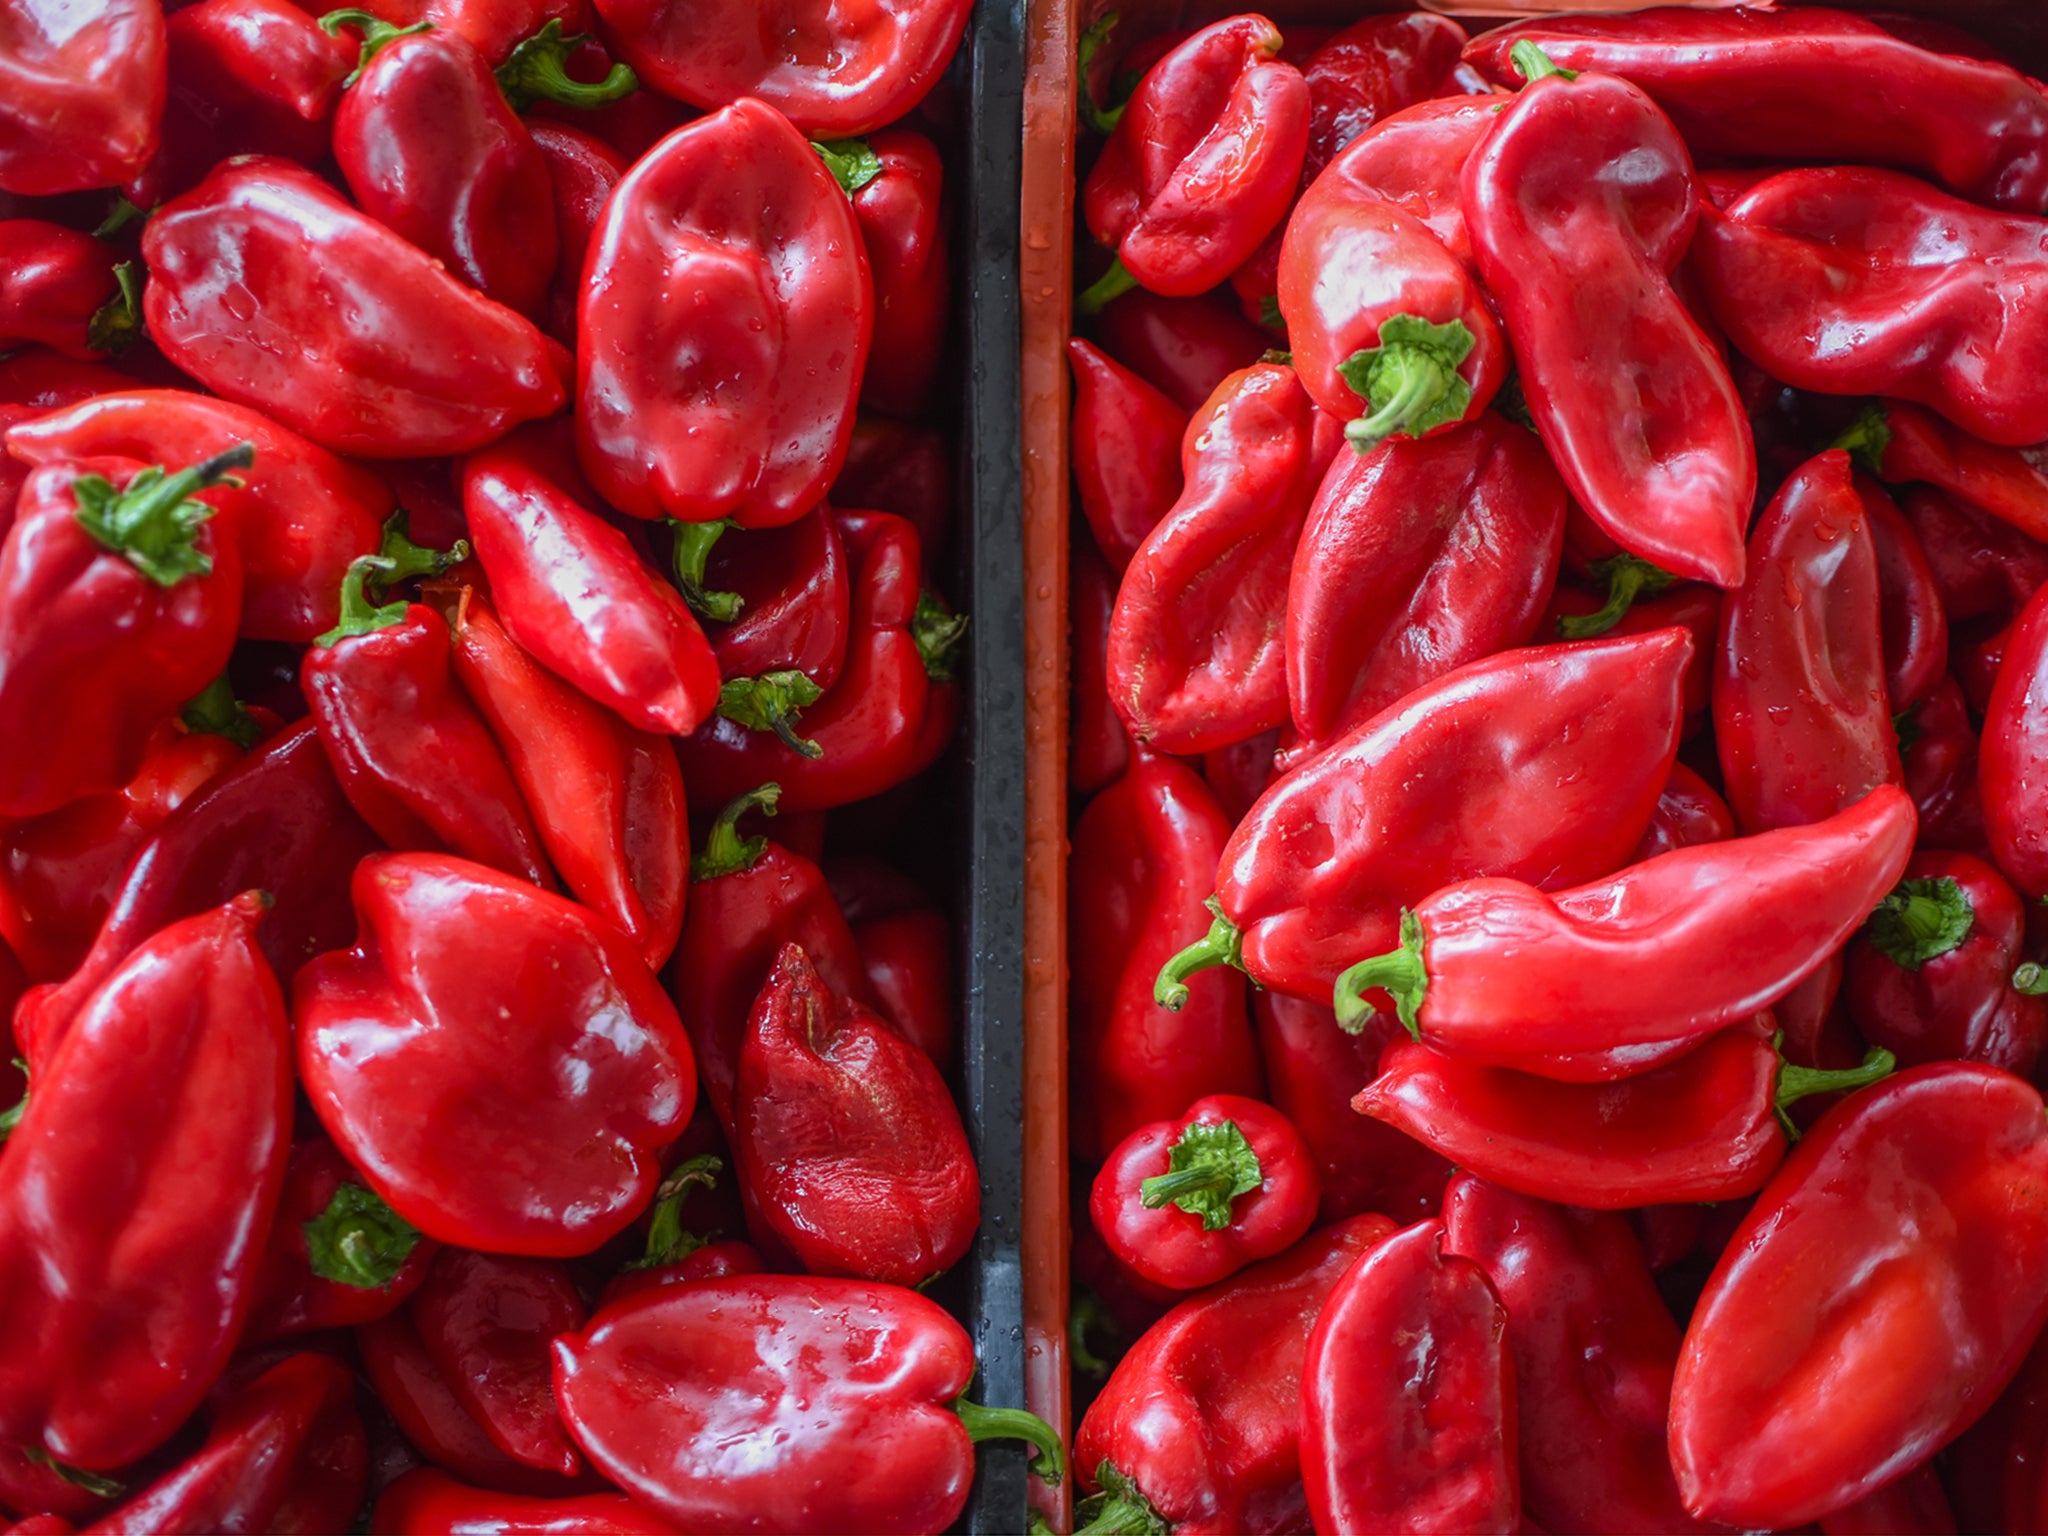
(468, 465)
(1560, 768)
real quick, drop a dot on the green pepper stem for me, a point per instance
(118, 218)
(217, 712)
(1095, 116)
(377, 35)
(359, 615)
(692, 551)
(937, 635)
(1534, 64)
(154, 522)
(1866, 439)
(1628, 578)
(771, 702)
(1796, 1083)
(2030, 980)
(1400, 971)
(1223, 944)
(1113, 284)
(1163, 1188)
(1121, 1509)
(11, 1117)
(116, 323)
(667, 1242)
(1049, 1465)
(534, 72)
(725, 851)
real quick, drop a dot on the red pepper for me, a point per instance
(1898, 442)
(1417, 558)
(41, 379)
(846, 1138)
(431, 1503)
(684, 1397)
(1995, 1466)
(1688, 813)
(29, 1482)
(607, 799)
(675, 1254)
(1126, 445)
(1594, 1348)
(1496, 965)
(1098, 746)
(1414, 159)
(1748, 83)
(1143, 853)
(1913, 1503)
(889, 714)
(1184, 348)
(893, 466)
(117, 605)
(284, 1453)
(1202, 164)
(527, 1025)
(1909, 602)
(779, 595)
(1800, 712)
(248, 274)
(1940, 757)
(1195, 657)
(337, 1255)
(497, 27)
(1240, 772)
(1932, 975)
(1543, 764)
(303, 514)
(1985, 568)
(64, 290)
(582, 170)
(127, 1261)
(1917, 276)
(1704, 1127)
(896, 181)
(2014, 748)
(1408, 1396)
(1584, 189)
(906, 952)
(572, 591)
(1190, 1201)
(1199, 1428)
(1369, 71)
(1906, 1223)
(486, 1321)
(724, 324)
(80, 94)
(1576, 614)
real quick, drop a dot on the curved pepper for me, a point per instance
(80, 94)
(723, 328)
(64, 290)
(1909, 602)
(1748, 82)
(683, 1396)
(1143, 853)
(428, 1502)
(1905, 1223)
(1417, 558)
(1934, 975)
(582, 170)
(1594, 1348)
(1183, 348)
(1544, 763)
(902, 223)
(573, 592)
(1195, 657)
(433, 367)
(607, 799)
(1580, 202)
(126, 1263)
(1496, 965)
(532, 1026)
(846, 1139)
(1126, 446)
(1187, 1202)
(781, 596)
(1899, 442)
(1199, 1427)
(1705, 1127)
(1801, 718)
(302, 516)
(1408, 1396)
(2012, 762)
(117, 605)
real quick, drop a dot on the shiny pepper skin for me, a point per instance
(81, 93)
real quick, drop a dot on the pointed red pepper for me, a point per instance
(1909, 602)
(1126, 446)
(1899, 442)
(779, 596)
(80, 94)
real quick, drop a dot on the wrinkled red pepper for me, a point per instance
(80, 94)
(1369, 71)
(1125, 442)
(64, 290)
(431, 1503)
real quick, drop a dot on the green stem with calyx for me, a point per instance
(1112, 285)
(692, 550)
(1627, 578)
(2030, 980)
(1207, 1169)
(1223, 944)
(217, 712)
(1534, 64)
(667, 1242)
(116, 323)
(1048, 1466)
(1796, 1083)
(1094, 116)
(359, 1240)
(769, 703)
(534, 72)
(10, 1118)
(1400, 972)
(377, 35)
(1410, 380)
(397, 559)
(852, 162)
(1121, 1509)
(154, 522)
(725, 851)
(938, 635)
(1866, 440)
(1921, 920)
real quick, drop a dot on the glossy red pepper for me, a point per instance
(284, 1453)
(1199, 1427)
(1688, 813)
(1195, 656)
(675, 1254)
(497, 27)
(1899, 442)
(1583, 188)
(683, 1396)
(117, 606)
(607, 800)
(1415, 158)
(1578, 614)
(1417, 558)
(1098, 744)
(128, 1261)
(1543, 764)
(1190, 1201)
(1904, 1223)
(897, 203)
(1496, 965)
(907, 955)
(1144, 852)
(1126, 445)
(1202, 164)
(1909, 602)
(1408, 1418)
(1594, 1349)
(779, 596)
(1801, 717)
(80, 94)
(428, 367)
(846, 1138)
(887, 717)
(723, 328)
(533, 1026)
(431, 1503)
(1369, 71)
(893, 466)
(63, 289)
(572, 591)
(582, 170)
(2013, 752)
(1183, 348)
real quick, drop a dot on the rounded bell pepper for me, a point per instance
(81, 92)
(1126, 444)
(428, 1502)
(725, 320)
(532, 1025)
(64, 290)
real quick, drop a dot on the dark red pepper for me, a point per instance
(903, 224)
(1183, 348)
(1909, 602)
(1126, 447)
(2012, 762)
(1372, 69)
(582, 170)
(64, 290)
(1939, 751)
(1688, 813)
(1098, 744)
(893, 466)
(780, 598)
(1898, 442)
